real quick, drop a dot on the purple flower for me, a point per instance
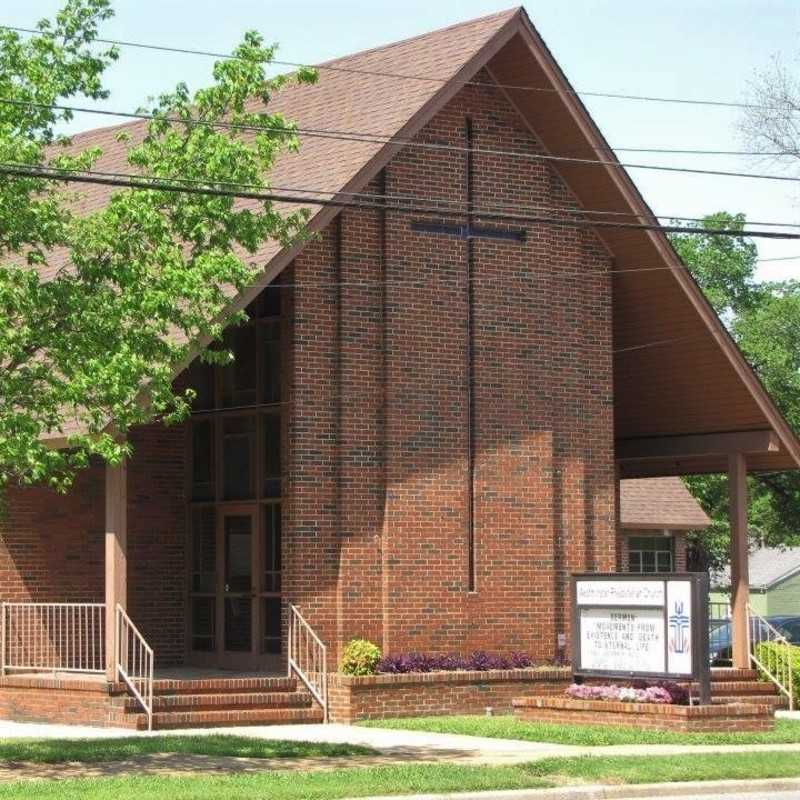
(479, 661)
(520, 660)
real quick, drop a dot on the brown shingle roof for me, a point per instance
(378, 105)
(648, 400)
(659, 503)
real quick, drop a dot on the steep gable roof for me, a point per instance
(697, 383)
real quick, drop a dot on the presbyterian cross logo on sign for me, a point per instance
(679, 639)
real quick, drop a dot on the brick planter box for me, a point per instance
(724, 717)
(437, 693)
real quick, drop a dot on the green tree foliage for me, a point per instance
(96, 306)
(764, 318)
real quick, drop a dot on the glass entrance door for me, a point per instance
(238, 587)
(235, 587)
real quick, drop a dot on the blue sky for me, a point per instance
(694, 48)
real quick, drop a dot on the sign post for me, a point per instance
(642, 626)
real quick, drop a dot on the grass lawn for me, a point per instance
(661, 769)
(55, 751)
(289, 785)
(508, 727)
(408, 779)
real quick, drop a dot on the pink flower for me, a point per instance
(623, 694)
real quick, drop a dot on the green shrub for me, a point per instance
(360, 657)
(771, 656)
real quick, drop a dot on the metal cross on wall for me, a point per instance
(469, 232)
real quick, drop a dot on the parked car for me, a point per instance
(719, 636)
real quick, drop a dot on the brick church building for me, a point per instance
(429, 414)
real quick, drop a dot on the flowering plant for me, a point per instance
(623, 694)
(479, 661)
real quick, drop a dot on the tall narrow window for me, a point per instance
(271, 602)
(239, 378)
(204, 579)
(271, 362)
(238, 457)
(234, 486)
(201, 379)
(272, 455)
(203, 460)
(272, 547)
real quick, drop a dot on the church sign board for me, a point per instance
(641, 626)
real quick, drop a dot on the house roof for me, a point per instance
(659, 503)
(677, 372)
(768, 566)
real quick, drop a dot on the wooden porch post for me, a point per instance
(116, 556)
(740, 579)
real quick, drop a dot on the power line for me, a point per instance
(388, 139)
(690, 151)
(443, 204)
(131, 181)
(422, 78)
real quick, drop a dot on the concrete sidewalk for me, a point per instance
(404, 746)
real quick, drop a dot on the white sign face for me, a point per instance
(679, 622)
(622, 639)
(623, 593)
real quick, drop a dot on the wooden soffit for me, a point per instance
(677, 372)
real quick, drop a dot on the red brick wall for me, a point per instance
(375, 535)
(157, 539)
(68, 702)
(724, 717)
(379, 421)
(431, 694)
(52, 546)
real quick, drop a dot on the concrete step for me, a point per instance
(202, 719)
(223, 700)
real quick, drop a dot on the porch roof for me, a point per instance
(659, 504)
(677, 372)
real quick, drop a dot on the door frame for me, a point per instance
(238, 659)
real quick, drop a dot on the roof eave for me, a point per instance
(637, 204)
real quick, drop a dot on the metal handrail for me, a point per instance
(308, 658)
(56, 637)
(779, 668)
(134, 662)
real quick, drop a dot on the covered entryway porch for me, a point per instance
(736, 453)
(94, 658)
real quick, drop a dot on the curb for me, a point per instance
(692, 789)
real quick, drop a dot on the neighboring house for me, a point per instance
(774, 582)
(423, 431)
(654, 516)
